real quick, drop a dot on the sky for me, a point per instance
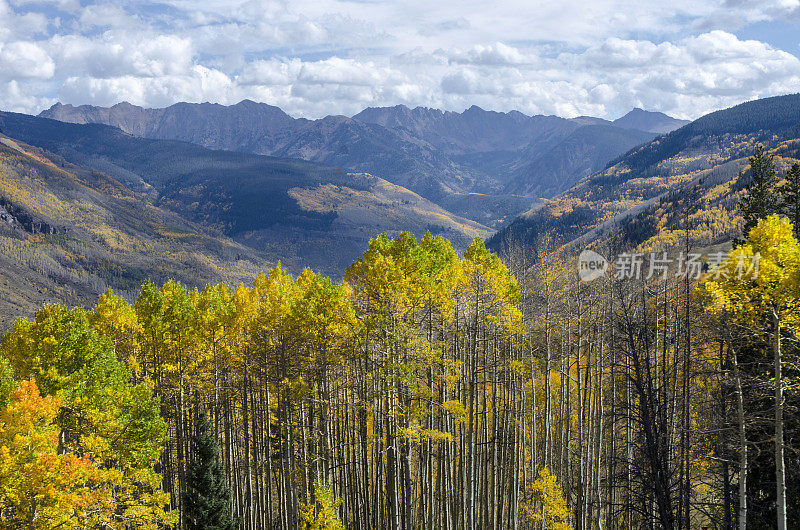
(318, 57)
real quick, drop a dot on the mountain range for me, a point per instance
(302, 213)
(86, 206)
(483, 165)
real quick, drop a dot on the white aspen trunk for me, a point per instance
(742, 442)
(780, 480)
(547, 390)
(599, 438)
(579, 507)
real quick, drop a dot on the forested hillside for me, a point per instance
(695, 171)
(68, 234)
(300, 213)
(427, 390)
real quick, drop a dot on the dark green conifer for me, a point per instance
(761, 195)
(207, 498)
(790, 194)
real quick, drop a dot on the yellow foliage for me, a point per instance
(455, 408)
(40, 488)
(321, 515)
(544, 503)
(761, 275)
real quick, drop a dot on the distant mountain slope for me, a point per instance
(263, 129)
(584, 151)
(692, 173)
(265, 202)
(363, 147)
(447, 157)
(655, 122)
(534, 156)
(67, 234)
(590, 120)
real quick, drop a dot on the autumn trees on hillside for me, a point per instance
(763, 309)
(426, 390)
(356, 387)
(760, 316)
(78, 440)
(397, 392)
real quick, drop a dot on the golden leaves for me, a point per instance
(761, 275)
(38, 486)
(545, 502)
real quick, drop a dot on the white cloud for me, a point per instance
(719, 46)
(25, 60)
(315, 58)
(346, 72)
(495, 54)
(272, 72)
(115, 54)
(198, 85)
(14, 26)
(466, 81)
(64, 5)
(104, 15)
(18, 96)
(619, 53)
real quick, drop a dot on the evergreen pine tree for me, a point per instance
(790, 194)
(761, 196)
(207, 498)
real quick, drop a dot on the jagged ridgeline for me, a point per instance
(484, 165)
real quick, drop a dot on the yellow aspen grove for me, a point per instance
(425, 390)
(39, 487)
(766, 298)
(546, 508)
(110, 424)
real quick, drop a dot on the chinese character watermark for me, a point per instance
(661, 265)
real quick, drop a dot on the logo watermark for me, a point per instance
(591, 265)
(661, 265)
